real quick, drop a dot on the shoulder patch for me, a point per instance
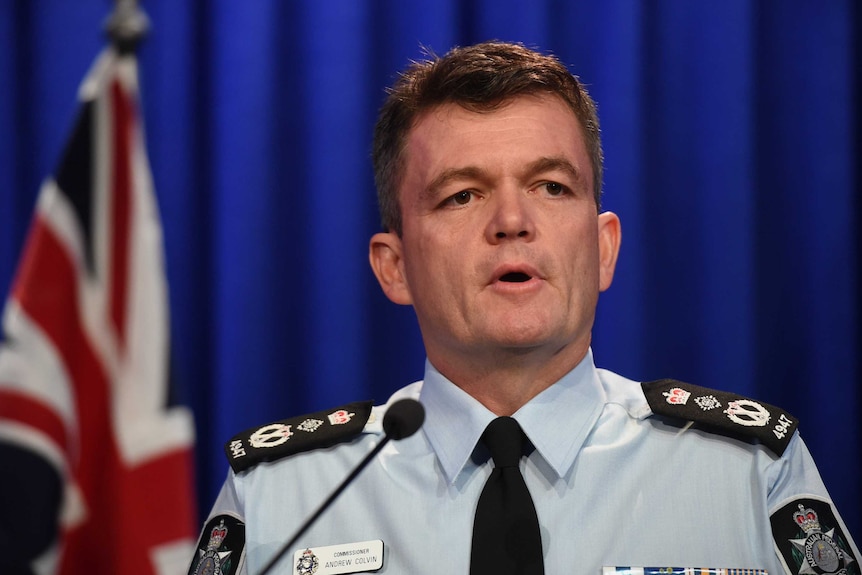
(722, 412)
(811, 540)
(304, 433)
(220, 549)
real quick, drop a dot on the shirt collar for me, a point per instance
(557, 421)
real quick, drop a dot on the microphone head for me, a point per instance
(403, 418)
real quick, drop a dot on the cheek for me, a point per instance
(440, 278)
(435, 252)
(582, 257)
(422, 267)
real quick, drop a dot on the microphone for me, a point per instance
(402, 419)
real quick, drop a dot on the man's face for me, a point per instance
(502, 247)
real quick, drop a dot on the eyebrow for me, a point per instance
(450, 175)
(552, 164)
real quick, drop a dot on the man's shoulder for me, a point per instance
(308, 432)
(721, 412)
(311, 431)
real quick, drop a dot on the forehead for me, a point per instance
(518, 132)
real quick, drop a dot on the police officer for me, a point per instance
(488, 165)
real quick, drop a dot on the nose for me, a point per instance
(511, 217)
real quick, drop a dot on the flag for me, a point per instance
(84, 397)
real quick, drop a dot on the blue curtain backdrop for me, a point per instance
(732, 137)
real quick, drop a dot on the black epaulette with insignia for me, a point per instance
(722, 412)
(282, 438)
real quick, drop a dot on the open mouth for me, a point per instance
(515, 277)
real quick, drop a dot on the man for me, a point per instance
(488, 166)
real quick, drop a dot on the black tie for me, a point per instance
(506, 538)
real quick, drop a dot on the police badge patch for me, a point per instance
(220, 547)
(810, 539)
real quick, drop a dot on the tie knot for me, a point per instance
(505, 441)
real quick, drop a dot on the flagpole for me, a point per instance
(126, 26)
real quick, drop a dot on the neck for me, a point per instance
(505, 380)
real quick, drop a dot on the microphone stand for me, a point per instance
(314, 516)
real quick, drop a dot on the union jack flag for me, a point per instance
(84, 395)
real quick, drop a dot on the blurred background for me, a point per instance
(732, 142)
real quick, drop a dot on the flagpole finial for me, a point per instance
(127, 25)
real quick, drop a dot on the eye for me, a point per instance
(461, 198)
(554, 188)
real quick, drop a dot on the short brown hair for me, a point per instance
(479, 78)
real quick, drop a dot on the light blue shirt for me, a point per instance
(612, 486)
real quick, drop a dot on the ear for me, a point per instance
(610, 236)
(385, 252)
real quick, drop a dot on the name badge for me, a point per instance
(680, 571)
(359, 557)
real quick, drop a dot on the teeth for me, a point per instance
(516, 277)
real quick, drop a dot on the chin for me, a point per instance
(525, 339)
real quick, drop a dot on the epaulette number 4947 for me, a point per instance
(782, 426)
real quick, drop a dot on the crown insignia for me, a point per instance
(308, 563)
(217, 535)
(807, 519)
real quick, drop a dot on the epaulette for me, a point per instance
(304, 433)
(722, 412)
